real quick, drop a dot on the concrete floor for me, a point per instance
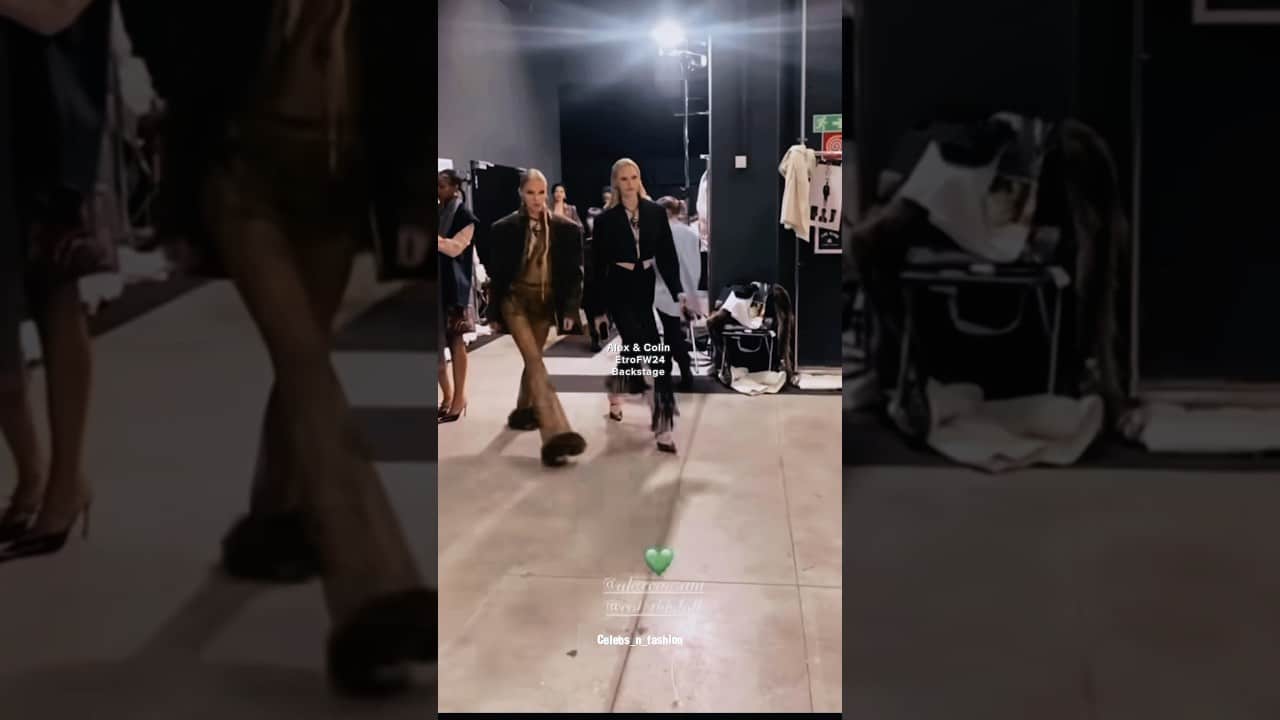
(750, 507)
(1067, 595)
(137, 623)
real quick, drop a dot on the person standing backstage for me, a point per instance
(669, 312)
(58, 59)
(457, 265)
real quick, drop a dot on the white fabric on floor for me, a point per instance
(758, 383)
(1176, 429)
(1000, 435)
(820, 381)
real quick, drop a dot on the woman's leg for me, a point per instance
(529, 327)
(458, 348)
(445, 381)
(68, 359)
(326, 272)
(18, 425)
(664, 398)
(362, 546)
(673, 337)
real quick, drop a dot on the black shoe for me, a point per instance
(16, 522)
(686, 380)
(523, 419)
(372, 652)
(30, 545)
(270, 548)
(561, 447)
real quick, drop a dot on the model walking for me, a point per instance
(633, 244)
(535, 272)
(289, 124)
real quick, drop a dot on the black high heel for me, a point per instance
(46, 543)
(452, 417)
(15, 522)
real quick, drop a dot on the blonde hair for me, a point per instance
(616, 198)
(525, 177)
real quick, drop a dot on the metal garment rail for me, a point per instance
(804, 79)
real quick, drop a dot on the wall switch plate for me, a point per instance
(739, 161)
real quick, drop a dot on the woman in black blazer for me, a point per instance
(535, 281)
(632, 242)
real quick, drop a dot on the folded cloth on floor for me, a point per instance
(1001, 435)
(757, 383)
(1176, 429)
(819, 381)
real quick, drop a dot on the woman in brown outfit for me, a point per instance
(535, 272)
(277, 155)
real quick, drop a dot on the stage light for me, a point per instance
(669, 35)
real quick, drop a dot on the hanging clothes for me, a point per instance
(704, 209)
(795, 168)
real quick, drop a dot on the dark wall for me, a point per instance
(498, 96)
(1210, 266)
(746, 104)
(933, 58)
(634, 119)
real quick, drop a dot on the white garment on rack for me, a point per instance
(795, 168)
(704, 210)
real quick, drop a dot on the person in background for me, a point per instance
(57, 55)
(592, 299)
(669, 312)
(536, 283)
(16, 420)
(457, 264)
(562, 208)
(290, 123)
(633, 245)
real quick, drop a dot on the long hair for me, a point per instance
(613, 182)
(525, 177)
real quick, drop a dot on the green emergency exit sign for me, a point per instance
(827, 123)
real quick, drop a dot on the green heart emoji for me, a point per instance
(659, 558)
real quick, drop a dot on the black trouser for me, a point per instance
(592, 303)
(630, 298)
(673, 336)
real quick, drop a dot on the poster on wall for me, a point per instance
(828, 242)
(443, 164)
(825, 200)
(1236, 12)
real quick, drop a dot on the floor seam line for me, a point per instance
(671, 517)
(795, 562)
